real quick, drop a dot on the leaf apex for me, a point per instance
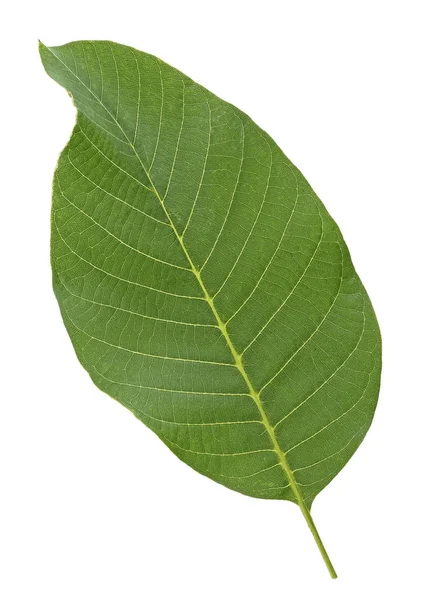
(43, 51)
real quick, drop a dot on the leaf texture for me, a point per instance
(203, 283)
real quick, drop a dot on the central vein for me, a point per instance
(255, 395)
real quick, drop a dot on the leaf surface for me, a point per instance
(203, 283)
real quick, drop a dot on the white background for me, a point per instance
(92, 505)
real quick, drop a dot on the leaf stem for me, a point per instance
(317, 538)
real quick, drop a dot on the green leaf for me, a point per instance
(203, 283)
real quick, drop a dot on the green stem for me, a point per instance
(315, 533)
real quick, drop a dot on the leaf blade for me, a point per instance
(191, 195)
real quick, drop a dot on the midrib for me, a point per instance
(223, 327)
(240, 367)
(236, 356)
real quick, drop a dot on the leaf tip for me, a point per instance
(43, 50)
